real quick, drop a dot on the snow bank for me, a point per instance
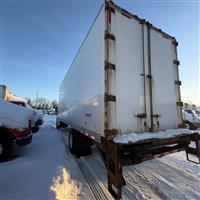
(135, 137)
(14, 116)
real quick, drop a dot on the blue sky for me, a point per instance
(39, 40)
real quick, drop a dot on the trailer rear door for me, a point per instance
(164, 76)
(130, 90)
(145, 78)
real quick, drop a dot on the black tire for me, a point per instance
(35, 129)
(5, 145)
(79, 144)
(190, 125)
(71, 141)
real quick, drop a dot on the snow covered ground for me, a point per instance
(46, 170)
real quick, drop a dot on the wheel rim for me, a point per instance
(1, 149)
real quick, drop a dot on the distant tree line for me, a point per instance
(42, 103)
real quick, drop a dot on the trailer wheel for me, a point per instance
(71, 142)
(79, 144)
(5, 145)
(190, 125)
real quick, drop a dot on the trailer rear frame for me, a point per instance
(115, 156)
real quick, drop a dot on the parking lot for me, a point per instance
(45, 169)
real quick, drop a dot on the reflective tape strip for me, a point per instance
(86, 134)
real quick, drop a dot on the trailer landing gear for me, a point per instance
(112, 163)
(115, 178)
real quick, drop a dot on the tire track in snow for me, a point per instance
(92, 181)
(99, 173)
(178, 161)
(157, 183)
(144, 189)
(184, 180)
(96, 178)
(168, 181)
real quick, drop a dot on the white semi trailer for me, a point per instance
(122, 92)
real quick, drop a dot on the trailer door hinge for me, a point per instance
(179, 103)
(149, 76)
(142, 115)
(109, 65)
(176, 62)
(156, 115)
(109, 36)
(178, 82)
(111, 9)
(110, 98)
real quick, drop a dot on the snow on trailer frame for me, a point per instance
(93, 107)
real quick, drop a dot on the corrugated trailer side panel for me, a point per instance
(81, 97)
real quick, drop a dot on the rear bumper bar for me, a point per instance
(134, 153)
(115, 156)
